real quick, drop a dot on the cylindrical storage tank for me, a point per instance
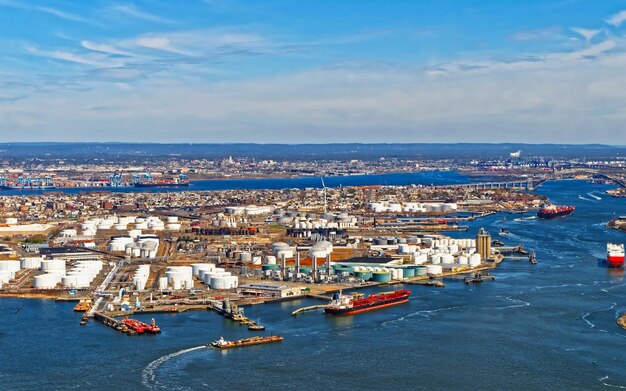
(447, 259)
(210, 275)
(46, 281)
(404, 248)
(245, 257)
(463, 260)
(435, 258)
(6, 276)
(134, 233)
(453, 249)
(172, 219)
(173, 227)
(381, 276)
(270, 260)
(474, 260)
(52, 264)
(434, 269)
(286, 253)
(177, 284)
(257, 260)
(408, 272)
(30, 263)
(364, 275)
(421, 270)
(11, 266)
(163, 283)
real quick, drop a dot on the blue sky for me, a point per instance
(313, 71)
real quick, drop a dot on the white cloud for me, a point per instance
(131, 10)
(159, 42)
(48, 10)
(588, 34)
(617, 19)
(92, 60)
(103, 48)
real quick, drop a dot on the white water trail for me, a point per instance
(602, 380)
(522, 303)
(148, 377)
(424, 313)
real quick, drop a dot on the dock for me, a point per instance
(308, 309)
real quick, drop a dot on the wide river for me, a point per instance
(537, 327)
(397, 179)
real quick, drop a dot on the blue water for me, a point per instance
(402, 179)
(537, 327)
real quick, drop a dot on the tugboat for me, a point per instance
(83, 305)
(615, 255)
(356, 303)
(223, 344)
(256, 327)
(551, 211)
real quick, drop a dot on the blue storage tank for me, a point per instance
(381, 276)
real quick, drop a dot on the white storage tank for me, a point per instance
(11, 266)
(163, 283)
(46, 281)
(48, 265)
(6, 276)
(474, 260)
(270, 260)
(447, 259)
(30, 262)
(434, 269)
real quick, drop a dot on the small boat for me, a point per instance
(83, 306)
(223, 344)
(504, 231)
(256, 327)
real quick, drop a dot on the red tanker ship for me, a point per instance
(357, 303)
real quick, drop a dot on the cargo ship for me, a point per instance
(147, 180)
(357, 303)
(27, 183)
(223, 344)
(551, 211)
(615, 255)
(140, 327)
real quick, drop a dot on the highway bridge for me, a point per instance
(527, 184)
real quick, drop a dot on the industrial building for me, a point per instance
(269, 290)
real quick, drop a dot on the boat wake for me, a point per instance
(148, 376)
(424, 313)
(586, 314)
(585, 199)
(520, 303)
(603, 381)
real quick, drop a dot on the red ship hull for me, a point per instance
(615, 262)
(373, 302)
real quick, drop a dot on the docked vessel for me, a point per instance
(615, 255)
(357, 303)
(140, 327)
(223, 344)
(551, 211)
(82, 306)
(147, 180)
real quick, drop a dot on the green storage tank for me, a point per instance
(420, 270)
(270, 267)
(305, 270)
(364, 275)
(408, 272)
(381, 276)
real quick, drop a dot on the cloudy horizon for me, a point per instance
(224, 71)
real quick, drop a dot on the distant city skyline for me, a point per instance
(221, 71)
